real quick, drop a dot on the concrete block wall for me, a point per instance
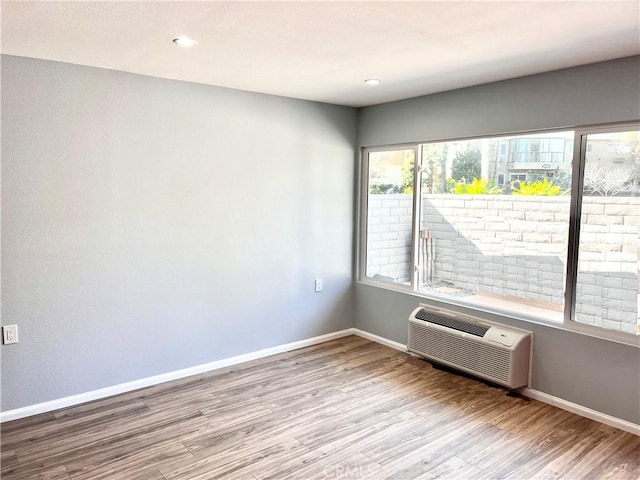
(502, 245)
(389, 236)
(608, 291)
(516, 246)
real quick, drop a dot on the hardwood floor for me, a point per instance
(348, 408)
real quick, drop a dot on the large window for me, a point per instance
(542, 226)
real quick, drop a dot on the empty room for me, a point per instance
(320, 240)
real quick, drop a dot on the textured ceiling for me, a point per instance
(324, 50)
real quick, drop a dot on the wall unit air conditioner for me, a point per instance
(495, 352)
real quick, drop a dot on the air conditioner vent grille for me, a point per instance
(454, 323)
(484, 359)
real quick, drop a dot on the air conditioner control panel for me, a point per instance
(503, 337)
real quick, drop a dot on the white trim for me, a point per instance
(533, 394)
(207, 367)
(164, 377)
(582, 411)
(382, 340)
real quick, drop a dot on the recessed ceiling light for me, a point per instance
(184, 42)
(372, 81)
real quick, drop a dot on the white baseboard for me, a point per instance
(378, 339)
(164, 377)
(582, 411)
(207, 367)
(533, 394)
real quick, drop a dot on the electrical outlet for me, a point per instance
(9, 334)
(318, 284)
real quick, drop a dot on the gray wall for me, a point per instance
(592, 94)
(150, 225)
(597, 374)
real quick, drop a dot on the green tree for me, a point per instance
(408, 169)
(466, 166)
(434, 162)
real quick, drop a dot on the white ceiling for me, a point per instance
(324, 50)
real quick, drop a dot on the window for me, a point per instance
(487, 244)
(534, 149)
(517, 177)
(608, 255)
(558, 242)
(389, 215)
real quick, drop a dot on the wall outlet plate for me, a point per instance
(9, 334)
(318, 284)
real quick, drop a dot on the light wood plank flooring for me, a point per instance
(348, 408)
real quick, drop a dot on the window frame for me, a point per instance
(580, 150)
(363, 209)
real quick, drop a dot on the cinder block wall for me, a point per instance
(389, 236)
(516, 246)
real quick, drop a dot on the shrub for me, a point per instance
(478, 187)
(451, 186)
(384, 188)
(544, 187)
